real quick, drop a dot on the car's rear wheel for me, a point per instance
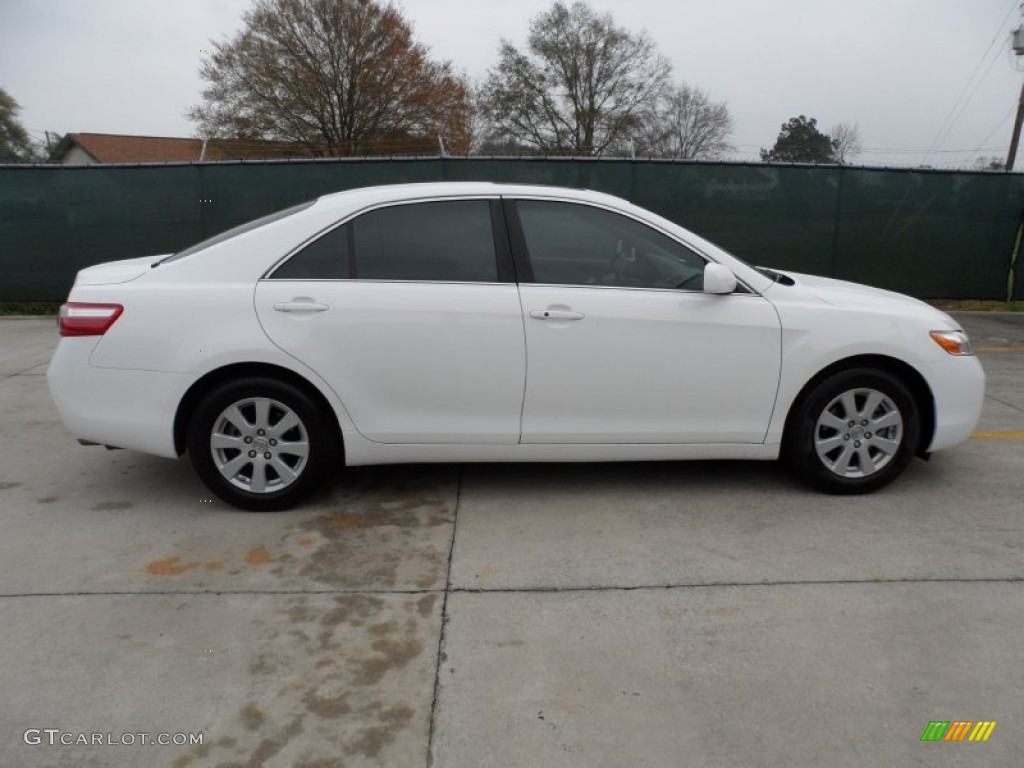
(855, 432)
(260, 444)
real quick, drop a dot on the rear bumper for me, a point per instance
(958, 386)
(113, 406)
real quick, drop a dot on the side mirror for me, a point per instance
(718, 279)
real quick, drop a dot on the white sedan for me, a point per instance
(489, 322)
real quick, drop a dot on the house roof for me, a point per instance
(116, 148)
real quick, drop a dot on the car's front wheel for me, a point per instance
(855, 432)
(260, 444)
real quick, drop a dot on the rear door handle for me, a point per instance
(300, 306)
(556, 314)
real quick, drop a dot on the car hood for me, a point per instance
(840, 293)
(116, 271)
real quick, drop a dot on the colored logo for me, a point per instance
(958, 730)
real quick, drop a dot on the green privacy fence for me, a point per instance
(932, 234)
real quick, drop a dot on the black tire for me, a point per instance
(281, 490)
(861, 461)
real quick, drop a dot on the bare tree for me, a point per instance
(687, 125)
(342, 77)
(989, 164)
(583, 84)
(846, 142)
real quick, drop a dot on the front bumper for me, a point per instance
(958, 386)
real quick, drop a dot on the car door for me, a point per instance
(622, 344)
(411, 314)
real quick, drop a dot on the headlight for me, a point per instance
(954, 342)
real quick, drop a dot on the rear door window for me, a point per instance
(448, 241)
(445, 241)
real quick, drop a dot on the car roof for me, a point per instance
(418, 191)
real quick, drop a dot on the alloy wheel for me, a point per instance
(259, 444)
(858, 433)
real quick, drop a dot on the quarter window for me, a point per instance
(326, 258)
(570, 244)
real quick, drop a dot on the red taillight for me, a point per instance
(81, 319)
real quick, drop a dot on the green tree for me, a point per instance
(342, 77)
(582, 85)
(15, 144)
(800, 141)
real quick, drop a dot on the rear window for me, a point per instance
(241, 229)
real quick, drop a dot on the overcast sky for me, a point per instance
(894, 67)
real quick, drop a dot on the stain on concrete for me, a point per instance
(48, 500)
(337, 671)
(337, 564)
(392, 653)
(372, 533)
(298, 613)
(428, 580)
(252, 717)
(258, 556)
(173, 566)
(269, 747)
(327, 707)
(373, 739)
(352, 610)
(112, 506)
(425, 605)
(170, 566)
(262, 664)
(7, 485)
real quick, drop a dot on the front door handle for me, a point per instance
(299, 305)
(556, 314)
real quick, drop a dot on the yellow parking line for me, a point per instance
(999, 349)
(998, 436)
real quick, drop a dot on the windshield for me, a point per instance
(241, 229)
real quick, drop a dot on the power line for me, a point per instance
(943, 130)
(967, 102)
(906, 150)
(997, 127)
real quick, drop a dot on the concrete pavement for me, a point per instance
(706, 614)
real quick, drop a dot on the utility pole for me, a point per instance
(1018, 50)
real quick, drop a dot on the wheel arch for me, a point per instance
(209, 381)
(909, 375)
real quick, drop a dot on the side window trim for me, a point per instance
(517, 240)
(350, 236)
(503, 249)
